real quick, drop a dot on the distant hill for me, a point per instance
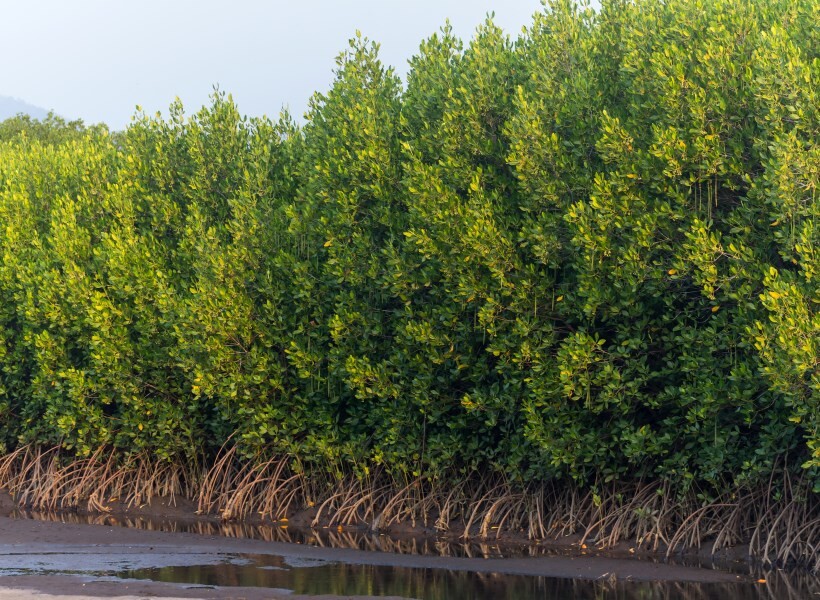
(12, 106)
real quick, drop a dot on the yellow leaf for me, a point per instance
(328, 243)
(139, 426)
(672, 271)
(774, 295)
(559, 298)
(716, 308)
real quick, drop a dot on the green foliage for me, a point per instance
(587, 253)
(51, 130)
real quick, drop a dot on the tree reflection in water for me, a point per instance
(439, 584)
(346, 579)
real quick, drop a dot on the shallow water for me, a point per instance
(318, 577)
(438, 584)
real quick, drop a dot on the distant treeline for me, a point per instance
(587, 254)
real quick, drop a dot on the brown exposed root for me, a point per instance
(780, 522)
(50, 480)
(237, 488)
(787, 530)
(640, 512)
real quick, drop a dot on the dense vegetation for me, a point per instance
(588, 254)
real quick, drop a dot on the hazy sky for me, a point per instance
(97, 59)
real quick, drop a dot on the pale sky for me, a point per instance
(98, 59)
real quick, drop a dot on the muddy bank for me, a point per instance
(7, 504)
(169, 533)
(21, 536)
(212, 540)
(77, 588)
(179, 515)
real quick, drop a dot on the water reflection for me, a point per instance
(438, 584)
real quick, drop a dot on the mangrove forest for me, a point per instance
(564, 282)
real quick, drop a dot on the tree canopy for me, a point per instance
(588, 253)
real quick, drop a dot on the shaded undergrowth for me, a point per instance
(779, 522)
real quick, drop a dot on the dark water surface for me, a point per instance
(317, 577)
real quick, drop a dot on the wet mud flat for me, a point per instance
(178, 515)
(106, 561)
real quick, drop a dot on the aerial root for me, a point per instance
(49, 480)
(780, 521)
